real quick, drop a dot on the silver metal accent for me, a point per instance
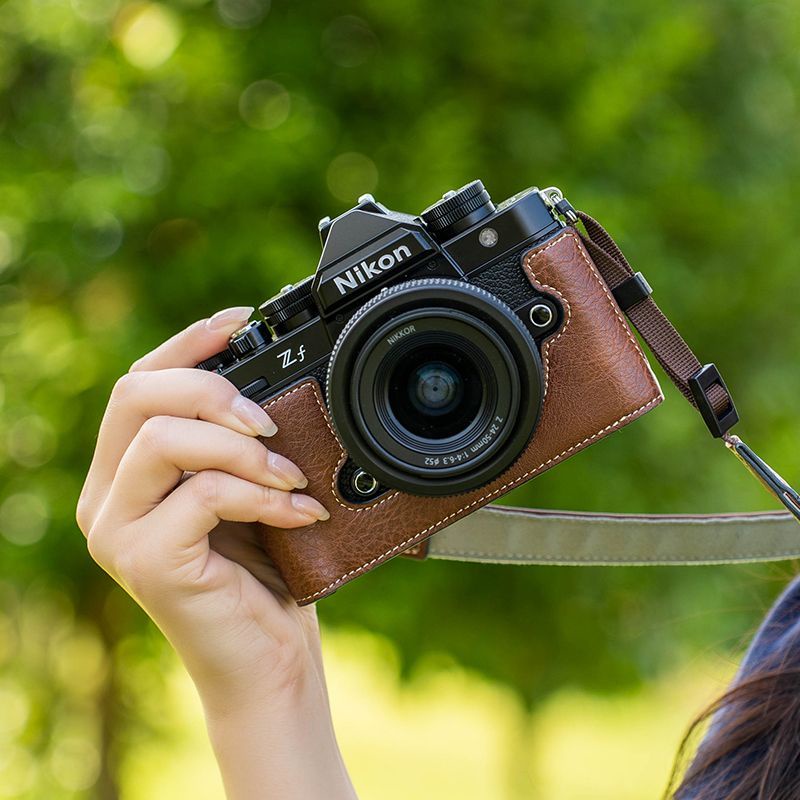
(488, 237)
(323, 223)
(769, 478)
(553, 195)
(538, 308)
(363, 483)
(243, 329)
(366, 198)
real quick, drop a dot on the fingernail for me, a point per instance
(287, 471)
(309, 506)
(252, 415)
(232, 318)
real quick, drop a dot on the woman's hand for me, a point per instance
(177, 481)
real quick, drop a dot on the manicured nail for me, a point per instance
(287, 471)
(309, 506)
(230, 318)
(252, 415)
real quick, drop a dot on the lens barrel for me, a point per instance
(435, 387)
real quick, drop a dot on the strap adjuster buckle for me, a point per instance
(699, 384)
(632, 291)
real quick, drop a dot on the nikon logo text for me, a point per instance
(367, 270)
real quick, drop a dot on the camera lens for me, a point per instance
(434, 398)
(435, 387)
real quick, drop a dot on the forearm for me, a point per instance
(179, 486)
(278, 747)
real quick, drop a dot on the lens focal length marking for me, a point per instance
(463, 456)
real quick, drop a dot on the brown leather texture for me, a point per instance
(596, 381)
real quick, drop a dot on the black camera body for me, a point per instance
(424, 335)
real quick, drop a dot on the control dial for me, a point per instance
(458, 210)
(291, 307)
(249, 338)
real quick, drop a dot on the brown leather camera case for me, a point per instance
(596, 380)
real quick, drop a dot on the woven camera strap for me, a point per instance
(499, 534)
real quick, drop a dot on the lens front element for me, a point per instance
(435, 387)
(430, 394)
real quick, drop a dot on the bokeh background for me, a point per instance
(161, 160)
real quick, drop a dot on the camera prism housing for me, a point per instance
(428, 366)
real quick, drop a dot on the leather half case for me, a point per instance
(596, 380)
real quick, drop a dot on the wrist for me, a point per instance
(261, 700)
(277, 744)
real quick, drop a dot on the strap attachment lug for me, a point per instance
(559, 204)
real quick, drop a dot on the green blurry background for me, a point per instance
(159, 161)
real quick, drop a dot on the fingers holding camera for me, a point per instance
(192, 393)
(152, 506)
(179, 392)
(168, 549)
(167, 447)
(195, 508)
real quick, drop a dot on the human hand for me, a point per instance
(177, 483)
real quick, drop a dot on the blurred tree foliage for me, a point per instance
(159, 161)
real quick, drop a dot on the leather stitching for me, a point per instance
(527, 262)
(501, 490)
(529, 259)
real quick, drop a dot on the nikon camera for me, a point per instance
(424, 334)
(430, 364)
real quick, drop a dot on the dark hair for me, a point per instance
(752, 747)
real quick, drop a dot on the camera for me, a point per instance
(430, 364)
(424, 334)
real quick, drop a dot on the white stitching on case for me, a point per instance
(343, 452)
(529, 259)
(500, 490)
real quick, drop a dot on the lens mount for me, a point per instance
(435, 386)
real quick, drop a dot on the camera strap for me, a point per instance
(501, 534)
